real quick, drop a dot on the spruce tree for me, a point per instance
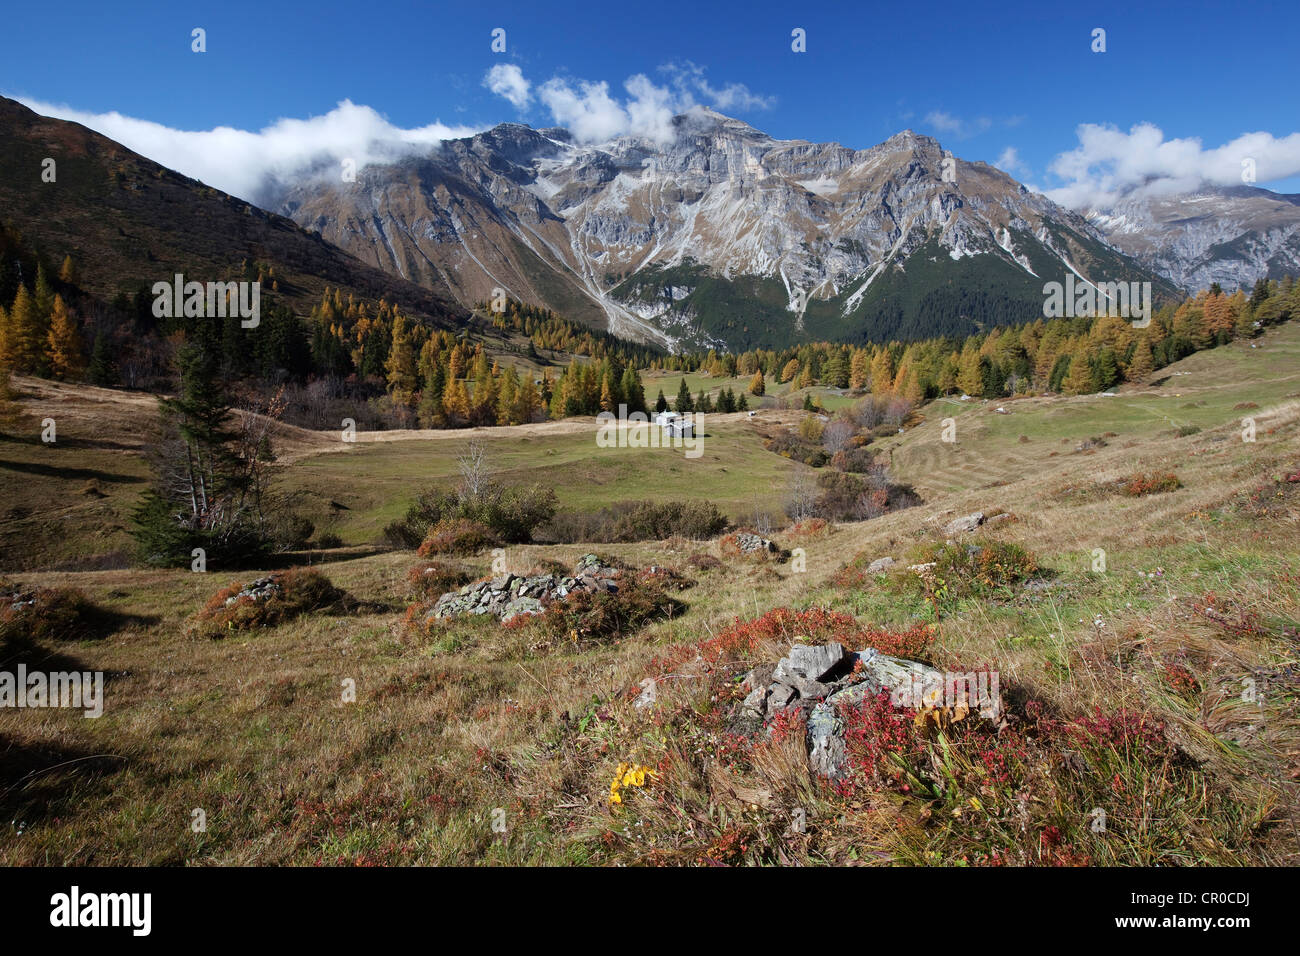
(101, 371)
(205, 493)
(684, 401)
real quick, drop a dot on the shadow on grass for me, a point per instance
(39, 779)
(86, 474)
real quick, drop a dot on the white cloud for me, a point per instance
(592, 115)
(1109, 163)
(956, 127)
(1009, 162)
(688, 79)
(246, 163)
(589, 111)
(506, 79)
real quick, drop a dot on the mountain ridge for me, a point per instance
(719, 225)
(128, 222)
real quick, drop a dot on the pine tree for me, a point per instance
(661, 403)
(206, 489)
(684, 401)
(633, 392)
(1105, 370)
(65, 354)
(757, 386)
(102, 371)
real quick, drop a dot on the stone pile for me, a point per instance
(748, 543)
(817, 681)
(260, 590)
(508, 595)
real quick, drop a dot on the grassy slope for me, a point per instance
(444, 732)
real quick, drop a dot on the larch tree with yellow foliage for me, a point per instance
(64, 350)
(1143, 362)
(882, 372)
(1079, 379)
(401, 364)
(970, 377)
(859, 369)
(23, 336)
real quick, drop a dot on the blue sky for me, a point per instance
(982, 78)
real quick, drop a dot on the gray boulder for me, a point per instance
(966, 523)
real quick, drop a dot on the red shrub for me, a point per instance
(295, 592)
(57, 614)
(810, 528)
(1135, 486)
(913, 643)
(743, 639)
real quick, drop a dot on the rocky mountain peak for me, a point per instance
(719, 236)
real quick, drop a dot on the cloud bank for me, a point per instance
(249, 164)
(1109, 164)
(592, 114)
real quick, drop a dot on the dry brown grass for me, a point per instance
(448, 729)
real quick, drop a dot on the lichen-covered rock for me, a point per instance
(506, 596)
(752, 543)
(820, 681)
(963, 524)
(260, 590)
